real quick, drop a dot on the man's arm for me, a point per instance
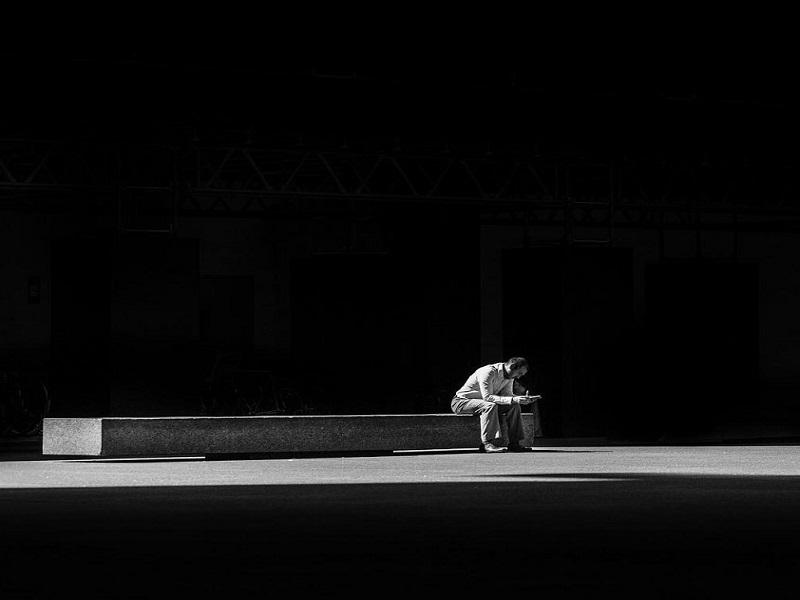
(485, 384)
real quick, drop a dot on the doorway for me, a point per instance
(569, 310)
(226, 312)
(81, 308)
(356, 326)
(702, 321)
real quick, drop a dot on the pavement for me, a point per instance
(562, 521)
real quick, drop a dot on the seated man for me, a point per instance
(489, 392)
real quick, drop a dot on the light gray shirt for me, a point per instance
(490, 384)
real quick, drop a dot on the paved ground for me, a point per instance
(643, 522)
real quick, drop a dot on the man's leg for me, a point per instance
(489, 415)
(511, 416)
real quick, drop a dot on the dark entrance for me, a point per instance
(570, 311)
(357, 327)
(226, 313)
(81, 292)
(703, 328)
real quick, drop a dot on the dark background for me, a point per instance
(633, 232)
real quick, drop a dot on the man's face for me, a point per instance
(518, 372)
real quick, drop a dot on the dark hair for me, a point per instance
(516, 362)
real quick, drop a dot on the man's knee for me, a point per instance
(487, 408)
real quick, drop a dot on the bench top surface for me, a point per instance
(227, 417)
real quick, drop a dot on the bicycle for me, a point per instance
(24, 403)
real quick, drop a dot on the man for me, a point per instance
(489, 392)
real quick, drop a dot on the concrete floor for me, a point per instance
(693, 521)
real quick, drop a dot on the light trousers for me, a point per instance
(499, 422)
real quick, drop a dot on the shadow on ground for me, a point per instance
(561, 535)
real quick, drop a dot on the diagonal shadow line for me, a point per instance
(611, 477)
(298, 455)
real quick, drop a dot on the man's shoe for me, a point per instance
(518, 448)
(490, 447)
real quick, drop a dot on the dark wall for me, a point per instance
(390, 324)
(155, 297)
(392, 331)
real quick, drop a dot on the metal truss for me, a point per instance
(511, 186)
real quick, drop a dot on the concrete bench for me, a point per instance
(203, 436)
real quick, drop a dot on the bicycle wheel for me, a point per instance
(32, 407)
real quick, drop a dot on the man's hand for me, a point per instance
(526, 399)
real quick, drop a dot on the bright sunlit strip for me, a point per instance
(133, 459)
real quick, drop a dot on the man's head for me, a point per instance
(516, 366)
